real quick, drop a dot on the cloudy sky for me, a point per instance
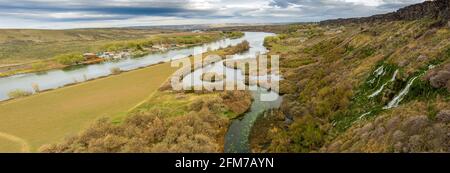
(56, 14)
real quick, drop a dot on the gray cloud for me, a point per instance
(57, 13)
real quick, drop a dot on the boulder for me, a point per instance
(440, 80)
(403, 63)
(437, 9)
(422, 58)
(443, 116)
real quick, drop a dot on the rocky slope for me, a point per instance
(437, 9)
(378, 86)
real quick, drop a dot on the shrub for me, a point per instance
(35, 87)
(115, 70)
(69, 59)
(212, 77)
(234, 34)
(148, 132)
(38, 66)
(18, 93)
(196, 105)
(245, 45)
(367, 51)
(271, 39)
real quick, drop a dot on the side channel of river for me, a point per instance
(237, 137)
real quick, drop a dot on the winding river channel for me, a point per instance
(237, 137)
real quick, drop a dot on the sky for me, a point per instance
(64, 14)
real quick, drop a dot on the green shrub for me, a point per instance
(69, 59)
(35, 87)
(447, 54)
(366, 52)
(270, 40)
(234, 34)
(38, 66)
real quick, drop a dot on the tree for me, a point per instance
(69, 59)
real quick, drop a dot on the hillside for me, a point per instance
(376, 84)
(21, 45)
(436, 9)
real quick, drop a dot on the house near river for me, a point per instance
(113, 55)
(92, 58)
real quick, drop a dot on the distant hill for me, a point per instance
(200, 26)
(28, 45)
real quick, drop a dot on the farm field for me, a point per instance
(28, 123)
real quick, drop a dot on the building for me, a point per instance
(89, 56)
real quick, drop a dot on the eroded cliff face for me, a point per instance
(437, 9)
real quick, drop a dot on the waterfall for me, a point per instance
(397, 99)
(378, 91)
(394, 76)
(365, 114)
(371, 81)
(384, 85)
(379, 71)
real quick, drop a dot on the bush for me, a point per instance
(366, 52)
(38, 66)
(212, 77)
(69, 59)
(234, 34)
(18, 93)
(115, 70)
(196, 105)
(148, 132)
(271, 39)
(36, 87)
(241, 47)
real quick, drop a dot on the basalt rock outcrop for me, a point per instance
(439, 77)
(436, 9)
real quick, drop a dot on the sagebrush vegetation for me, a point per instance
(174, 122)
(169, 121)
(340, 79)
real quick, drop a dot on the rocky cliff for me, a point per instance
(436, 9)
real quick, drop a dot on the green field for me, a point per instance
(51, 116)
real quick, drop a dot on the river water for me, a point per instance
(237, 137)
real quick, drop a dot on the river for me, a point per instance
(237, 137)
